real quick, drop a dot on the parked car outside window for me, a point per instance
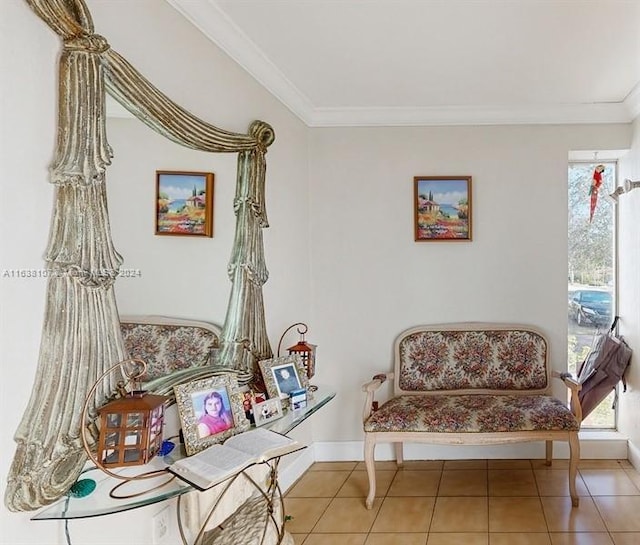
(591, 307)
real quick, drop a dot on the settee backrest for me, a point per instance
(168, 344)
(471, 357)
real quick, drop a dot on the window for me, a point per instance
(592, 270)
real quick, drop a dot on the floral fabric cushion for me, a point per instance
(167, 348)
(454, 360)
(471, 413)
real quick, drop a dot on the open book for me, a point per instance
(219, 462)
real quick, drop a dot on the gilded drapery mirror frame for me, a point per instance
(81, 330)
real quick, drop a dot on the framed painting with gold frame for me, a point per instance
(184, 203)
(442, 208)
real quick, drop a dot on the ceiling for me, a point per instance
(435, 62)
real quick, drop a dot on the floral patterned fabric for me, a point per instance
(168, 348)
(454, 360)
(471, 413)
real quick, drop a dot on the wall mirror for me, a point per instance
(81, 332)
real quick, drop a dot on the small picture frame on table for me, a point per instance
(267, 411)
(210, 411)
(298, 399)
(283, 375)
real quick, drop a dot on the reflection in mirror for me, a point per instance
(81, 335)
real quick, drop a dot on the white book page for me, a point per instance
(259, 441)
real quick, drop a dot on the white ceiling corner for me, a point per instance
(536, 62)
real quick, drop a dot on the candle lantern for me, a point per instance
(131, 429)
(302, 348)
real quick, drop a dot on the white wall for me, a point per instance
(371, 280)
(180, 276)
(340, 247)
(629, 279)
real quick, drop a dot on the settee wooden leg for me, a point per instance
(399, 454)
(369, 462)
(549, 452)
(574, 458)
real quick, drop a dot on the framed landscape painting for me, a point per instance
(442, 208)
(184, 203)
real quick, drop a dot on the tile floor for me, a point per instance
(471, 502)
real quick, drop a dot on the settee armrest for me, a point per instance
(574, 386)
(370, 388)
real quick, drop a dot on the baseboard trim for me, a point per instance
(593, 446)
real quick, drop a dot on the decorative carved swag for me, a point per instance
(81, 335)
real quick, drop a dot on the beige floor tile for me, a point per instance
(581, 538)
(460, 515)
(318, 484)
(511, 514)
(304, 513)
(512, 482)
(298, 539)
(556, 463)
(400, 514)
(456, 538)
(423, 464)
(346, 515)
(387, 464)
(463, 482)
(620, 513)
(335, 539)
(531, 538)
(357, 484)
(333, 466)
(626, 538)
(609, 482)
(603, 464)
(415, 483)
(465, 464)
(562, 517)
(509, 464)
(555, 482)
(634, 476)
(396, 539)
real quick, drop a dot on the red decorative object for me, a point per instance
(596, 182)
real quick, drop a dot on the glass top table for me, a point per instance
(141, 492)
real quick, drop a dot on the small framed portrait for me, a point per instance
(184, 203)
(267, 411)
(210, 411)
(283, 375)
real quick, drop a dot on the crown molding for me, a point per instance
(471, 115)
(632, 102)
(214, 23)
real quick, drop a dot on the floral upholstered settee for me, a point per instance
(471, 384)
(168, 345)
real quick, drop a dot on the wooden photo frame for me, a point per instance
(210, 411)
(184, 203)
(282, 375)
(442, 208)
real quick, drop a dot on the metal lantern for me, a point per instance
(131, 429)
(302, 348)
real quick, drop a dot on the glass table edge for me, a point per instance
(63, 509)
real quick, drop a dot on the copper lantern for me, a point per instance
(302, 348)
(131, 429)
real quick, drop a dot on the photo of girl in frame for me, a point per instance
(210, 411)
